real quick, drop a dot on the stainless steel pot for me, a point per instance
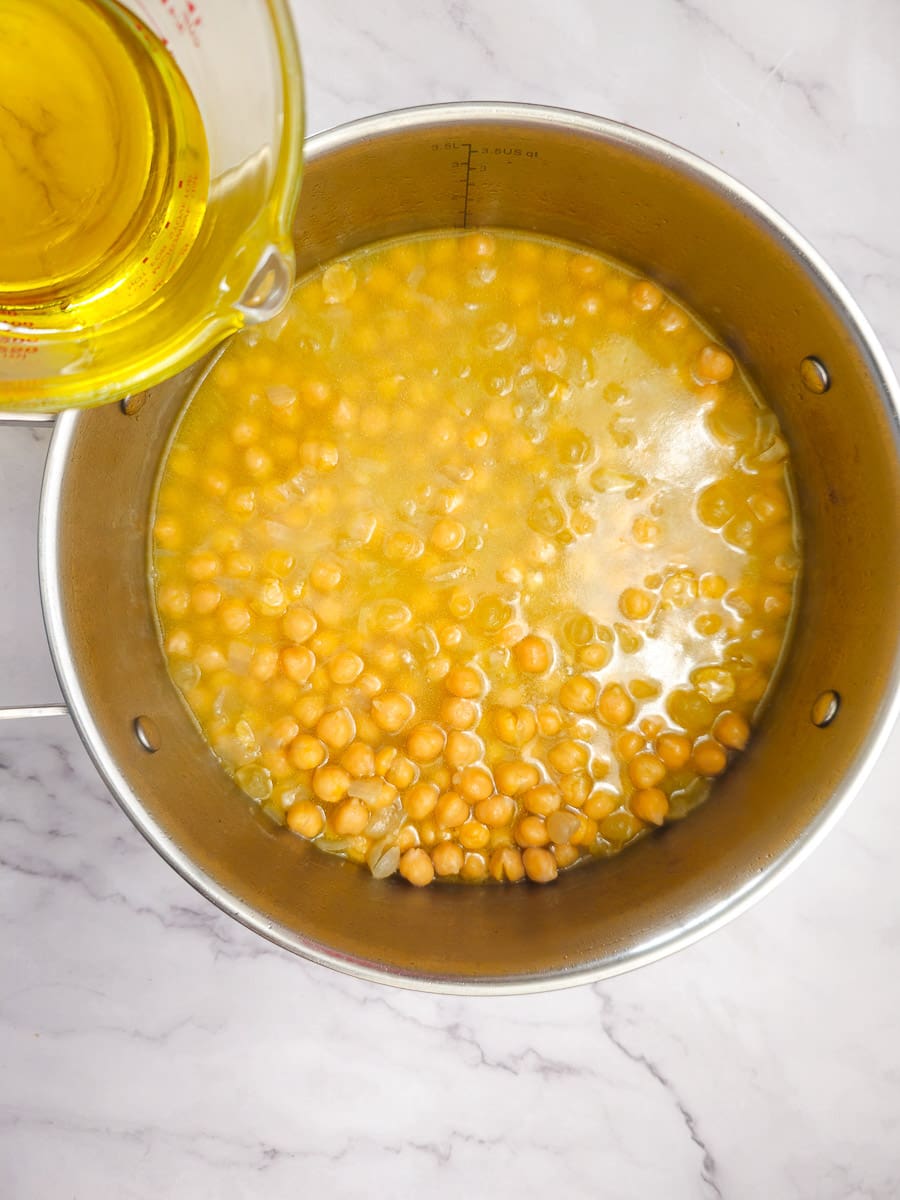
(769, 296)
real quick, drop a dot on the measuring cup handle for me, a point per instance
(24, 712)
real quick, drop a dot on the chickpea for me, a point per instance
(475, 783)
(245, 431)
(202, 566)
(473, 835)
(578, 694)
(283, 731)
(403, 773)
(279, 563)
(636, 604)
(732, 730)
(476, 246)
(515, 726)
(270, 599)
(447, 858)
(425, 742)
(257, 462)
(451, 810)
(442, 775)
(403, 546)
(540, 865)
(309, 709)
(208, 658)
(436, 668)
(543, 799)
(345, 667)
(330, 783)
(673, 319)
(646, 296)
(565, 854)
(533, 654)
(628, 745)
(549, 720)
(429, 833)
(458, 713)
(349, 817)
(448, 535)
(383, 797)
(615, 706)
(548, 354)
(562, 826)
(358, 760)
(384, 759)
(407, 838)
(645, 531)
(620, 827)
(239, 566)
(216, 482)
(326, 575)
(167, 533)
(712, 587)
(241, 501)
(650, 804)
(174, 601)
(531, 830)
(575, 788)
(465, 682)
(714, 365)
(568, 756)
(420, 800)
(514, 777)
(451, 636)
(646, 770)
(595, 656)
(305, 818)
(674, 749)
(298, 663)
(587, 832)
(392, 710)
(474, 868)
(336, 728)
(495, 811)
(462, 748)
(369, 684)
(709, 758)
(506, 864)
(298, 624)
(264, 664)
(416, 867)
(600, 804)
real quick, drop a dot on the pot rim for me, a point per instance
(713, 918)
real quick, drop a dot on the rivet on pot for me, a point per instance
(825, 708)
(133, 404)
(814, 375)
(147, 733)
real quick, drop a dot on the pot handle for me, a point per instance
(30, 419)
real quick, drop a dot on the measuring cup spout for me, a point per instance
(269, 287)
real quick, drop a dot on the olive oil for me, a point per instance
(104, 169)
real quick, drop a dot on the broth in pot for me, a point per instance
(478, 561)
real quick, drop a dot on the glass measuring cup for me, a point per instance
(196, 284)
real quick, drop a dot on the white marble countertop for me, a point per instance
(150, 1047)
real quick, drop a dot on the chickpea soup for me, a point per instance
(478, 561)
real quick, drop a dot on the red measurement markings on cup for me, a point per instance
(15, 341)
(172, 16)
